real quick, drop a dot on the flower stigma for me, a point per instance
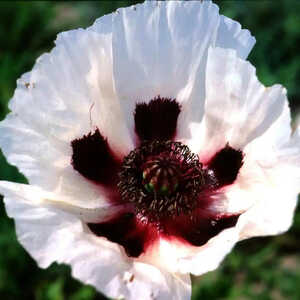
(161, 174)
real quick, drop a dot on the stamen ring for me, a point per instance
(161, 179)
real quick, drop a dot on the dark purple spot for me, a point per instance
(93, 159)
(156, 120)
(126, 230)
(200, 228)
(226, 165)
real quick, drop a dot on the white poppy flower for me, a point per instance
(151, 149)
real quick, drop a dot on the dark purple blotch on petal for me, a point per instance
(126, 230)
(156, 120)
(200, 228)
(93, 159)
(226, 165)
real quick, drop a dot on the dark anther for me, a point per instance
(156, 120)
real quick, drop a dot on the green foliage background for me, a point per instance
(261, 268)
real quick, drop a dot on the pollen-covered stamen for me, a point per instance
(161, 179)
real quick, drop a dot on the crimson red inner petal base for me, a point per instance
(136, 235)
(128, 231)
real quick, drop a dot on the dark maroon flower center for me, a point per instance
(164, 188)
(161, 179)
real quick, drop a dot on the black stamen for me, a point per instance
(182, 192)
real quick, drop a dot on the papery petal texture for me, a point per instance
(106, 82)
(268, 184)
(165, 63)
(240, 116)
(49, 233)
(66, 105)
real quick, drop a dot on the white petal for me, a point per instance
(275, 199)
(152, 49)
(141, 281)
(238, 106)
(103, 25)
(46, 165)
(242, 112)
(275, 204)
(68, 93)
(290, 150)
(208, 257)
(175, 256)
(34, 195)
(50, 234)
(66, 84)
(270, 216)
(265, 194)
(231, 35)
